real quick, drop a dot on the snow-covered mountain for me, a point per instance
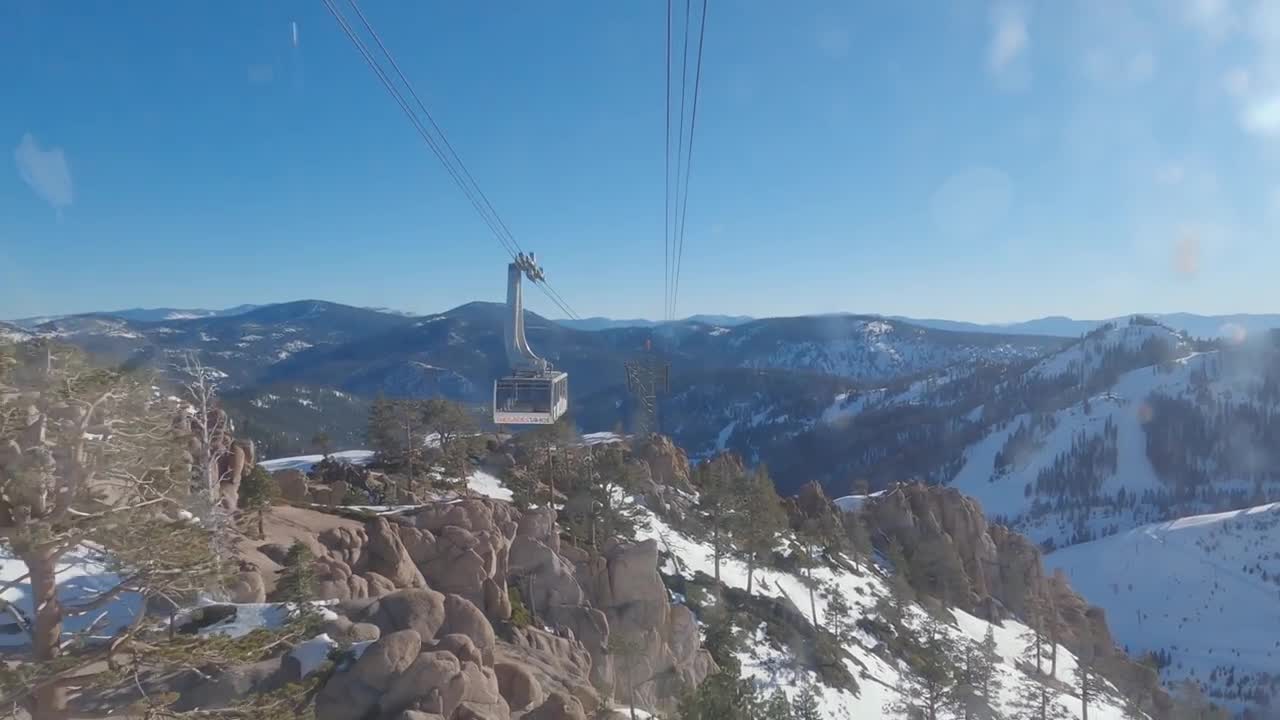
(1199, 593)
(1200, 326)
(1162, 429)
(146, 314)
(10, 332)
(604, 323)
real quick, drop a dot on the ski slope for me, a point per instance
(1204, 588)
(1124, 404)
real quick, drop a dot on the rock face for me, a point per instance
(433, 586)
(1002, 572)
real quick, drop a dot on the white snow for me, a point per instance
(488, 485)
(850, 503)
(80, 578)
(596, 438)
(256, 616)
(1087, 355)
(304, 462)
(725, 433)
(313, 653)
(769, 665)
(1204, 588)
(1003, 495)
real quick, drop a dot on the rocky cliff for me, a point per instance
(1002, 574)
(433, 587)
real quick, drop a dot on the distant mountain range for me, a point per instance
(1203, 326)
(784, 370)
(604, 323)
(143, 315)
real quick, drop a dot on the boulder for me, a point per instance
(230, 686)
(481, 699)
(518, 686)
(497, 602)
(539, 524)
(335, 581)
(433, 682)
(559, 664)
(276, 552)
(545, 578)
(345, 544)
(419, 543)
(247, 587)
(461, 646)
(378, 585)
(558, 706)
(363, 632)
(354, 694)
(386, 555)
(462, 617)
(388, 657)
(639, 599)
(668, 465)
(293, 484)
(418, 609)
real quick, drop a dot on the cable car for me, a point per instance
(534, 393)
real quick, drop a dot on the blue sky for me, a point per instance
(943, 158)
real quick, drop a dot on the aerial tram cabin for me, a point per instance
(534, 393)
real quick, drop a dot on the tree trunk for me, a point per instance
(551, 481)
(50, 701)
(715, 546)
(262, 525)
(408, 452)
(631, 689)
(813, 607)
(1084, 692)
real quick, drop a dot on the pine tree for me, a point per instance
(777, 707)
(93, 465)
(380, 431)
(838, 616)
(1035, 701)
(321, 442)
(927, 687)
(1133, 704)
(1087, 681)
(759, 521)
(985, 671)
(815, 535)
(716, 481)
(258, 491)
(298, 576)
(612, 484)
(855, 524)
(452, 427)
(1036, 641)
(627, 647)
(805, 704)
